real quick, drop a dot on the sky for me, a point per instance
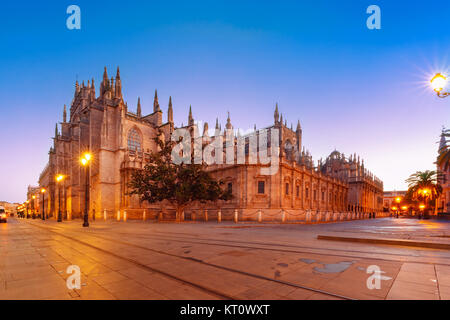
(353, 89)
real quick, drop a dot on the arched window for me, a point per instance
(134, 140)
(288, 148)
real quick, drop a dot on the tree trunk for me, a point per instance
(179, 214)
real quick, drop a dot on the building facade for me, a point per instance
(389, 197)
(121, 141)
(443, 203)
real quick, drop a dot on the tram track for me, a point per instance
(216, 293)
(397, 257)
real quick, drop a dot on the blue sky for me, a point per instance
(353, 89)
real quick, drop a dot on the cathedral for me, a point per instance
(121, 140)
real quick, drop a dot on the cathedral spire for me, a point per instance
(190, 118)
(275, 114)
(139, 111)
(155, 102)
(299, 127)
(217, 123)
(77, 87)
(105, 75)
(104, 86)
(93, 89)
(56, 131)
(443, 142)
(205, 129)
(228, 125)
(281, 119)
(170, 111)
(65, 114)
(118, 88)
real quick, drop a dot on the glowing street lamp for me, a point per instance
(438, 83)
(33, 206)
(43, 202)
(85, 162)
(59, 178)
(27, 207)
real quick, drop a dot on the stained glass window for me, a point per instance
(134, 140)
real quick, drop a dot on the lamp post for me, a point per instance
(59, 178)
(33, 207)
(28, 210)
(85, 162)
(425, 194)
(438, 83)
(398, 200)
(43, 203)
(422, 209)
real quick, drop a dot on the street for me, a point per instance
(148, 260)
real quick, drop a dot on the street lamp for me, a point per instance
(28, 212)
(398, 200)
(85, 162)
(33, 206)
(43, 203)
(438, 83)
(59, 178)
(425, 194)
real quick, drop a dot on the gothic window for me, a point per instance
(134, 140)
(288, 149)
(230, 187)
(307, 193)
(261, 185)
(287, 189)
(297, 191)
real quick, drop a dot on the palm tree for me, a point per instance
(443, 160)
(424, 186)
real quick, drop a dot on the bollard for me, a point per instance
(118, 215)
(283, 216)
(219, 216)
(143, 216)
(124, 216)
(259, 216)
(206, 215)
(235, 216)
(104, 214)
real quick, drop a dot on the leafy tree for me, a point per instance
(181, 184)
(424, 180)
